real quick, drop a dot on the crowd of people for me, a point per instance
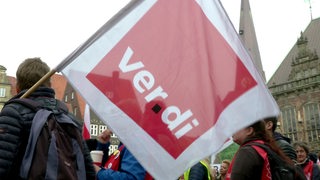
(250, 162)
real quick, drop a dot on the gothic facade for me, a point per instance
(296, 88)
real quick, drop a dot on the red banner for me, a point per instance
(181, 84)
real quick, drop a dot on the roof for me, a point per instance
(281, 75)
(3, 68)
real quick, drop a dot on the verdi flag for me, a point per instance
(172, 80)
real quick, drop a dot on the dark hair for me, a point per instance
(30, 71)
(274, 121)
(259, 129)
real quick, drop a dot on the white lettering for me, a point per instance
(186, 128)
(158, 92)
(124, 62)
(145, 78)
(179, 118)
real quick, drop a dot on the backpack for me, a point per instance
(54, 149)
(280, 170)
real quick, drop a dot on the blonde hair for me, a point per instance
(226, 161)
(211, 171)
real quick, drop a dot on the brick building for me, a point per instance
(296, 87)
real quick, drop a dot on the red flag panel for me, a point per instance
(172, 79)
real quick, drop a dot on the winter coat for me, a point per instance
(198, 172)
(314, 169)
(15, 124)
(285, 146)
(247, 164)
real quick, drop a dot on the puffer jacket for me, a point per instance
(285, 146)
(15, 124)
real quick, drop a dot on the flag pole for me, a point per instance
(36, 85)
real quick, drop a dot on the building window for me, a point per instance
(102, 128)
(112, 148)
(93, 130)
(312, 121)
(75, 110)
(288, 117)
(114, 136)
(72, 95)
(66, 98)
(2, 92)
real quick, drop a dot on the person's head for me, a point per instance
(224, 167)
(29, 72)
(206, 161)
(254, 131)
(302, 151)
(271, 123)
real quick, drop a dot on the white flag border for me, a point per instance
(108, 112)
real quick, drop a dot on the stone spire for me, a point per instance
(248, 36)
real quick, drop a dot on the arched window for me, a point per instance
(289, 125)
(312, 119)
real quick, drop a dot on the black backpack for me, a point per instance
(280, 170)
(54, 149)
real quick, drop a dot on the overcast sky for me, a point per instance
(53, 29)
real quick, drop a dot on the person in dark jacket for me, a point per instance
(251, 162)
(311, 170)
(281, 141)
(16, 119)
(200, 171)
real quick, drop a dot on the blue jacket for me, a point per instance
(130, 168)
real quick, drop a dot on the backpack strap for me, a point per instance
(264, 151)
(262, 146)
(41, 116)
(265, 148)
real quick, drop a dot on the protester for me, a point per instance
(200, 171)
(223, 169)
(121, 164)
(16, 119)
(282, 141)
(313, 157)
(248, 163)
(311, 169)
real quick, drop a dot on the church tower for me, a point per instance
(248, 36)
